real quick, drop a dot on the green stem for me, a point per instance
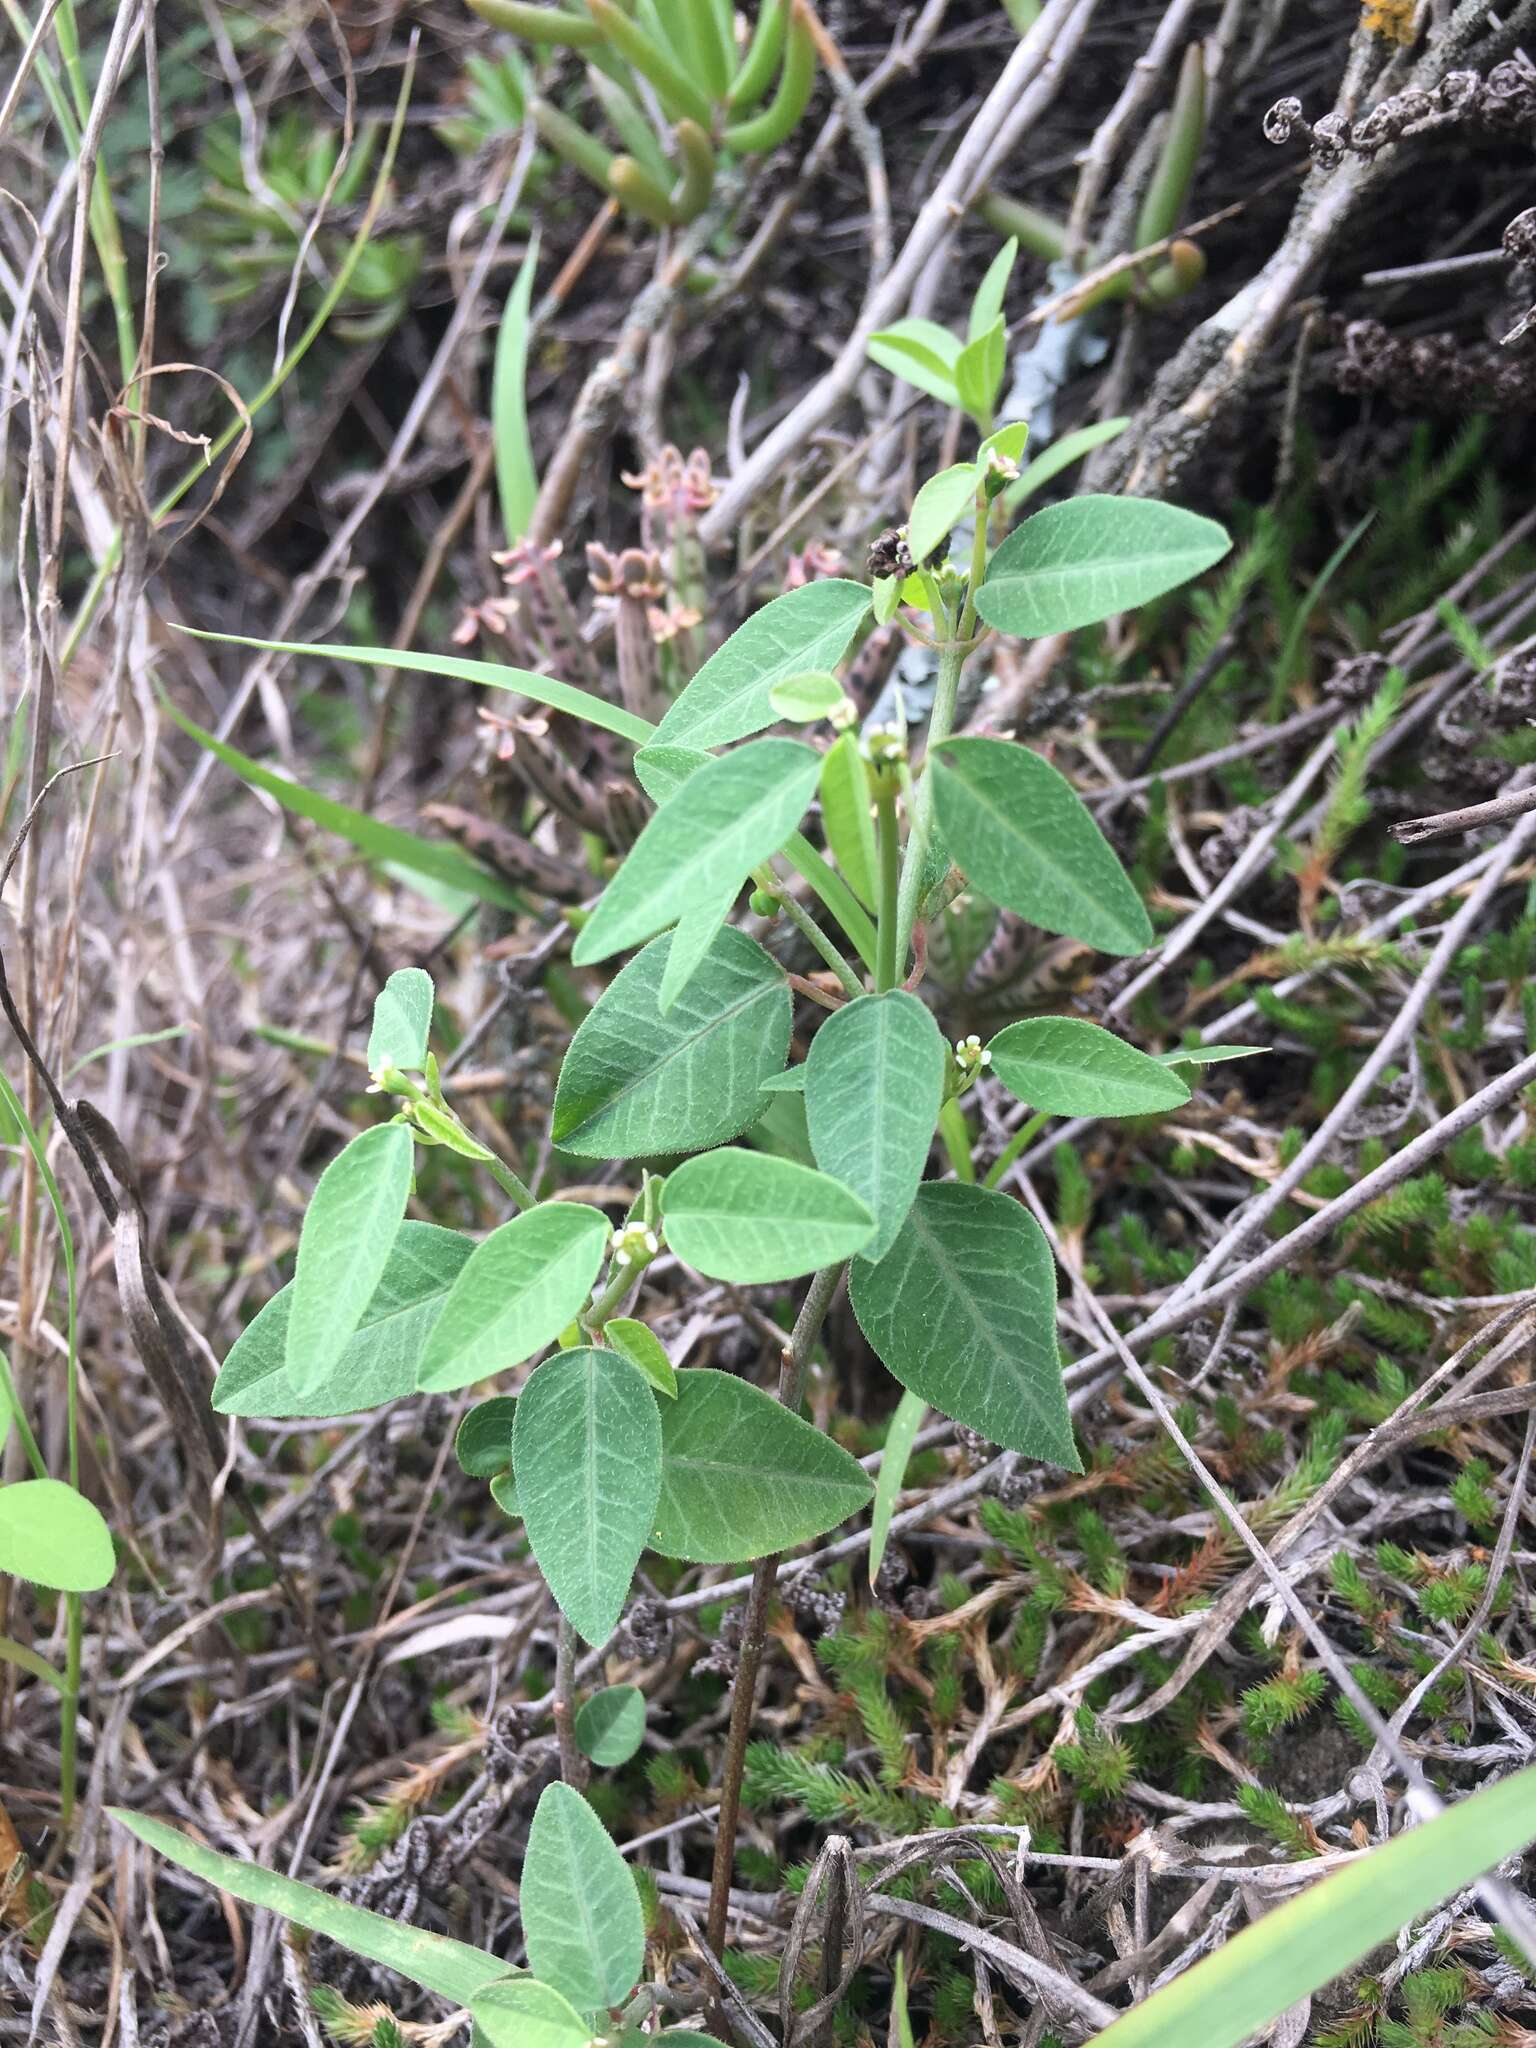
(956, 1134)
(1015, 1147)
(509, 1183)
(620, 1282)
(941, 723)
(809, 930)
(887, 958)
(69, 1720)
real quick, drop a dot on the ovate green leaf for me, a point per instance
(1088, 558)
(380, 1360)
(349, 1229)
(846, 818)
(874, 1082)
(744, 1216)
(741, 1476)
(1073, 1068)
(482, 1442)
(402, 1018)
(643, 1348)
(733, 813)
(516, 1294)
(921, 353)
(582, 1922)
(1024, 838)
(805, 698)
(527, 2014)
(451, 1969)
(938, 507)
(610, 1725)
(637, 1081)
(53, 1536)
(586, 1448)
(962, 1309)
(731, 696)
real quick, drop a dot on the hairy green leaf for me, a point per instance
(586, 1448)
(874, 1082)
(747, 1217)
(637, 1081)
(527, 2014)
(1300, 1946)
(962, 1309)
(1074, 1068)
(644, 1350)
(516, 1293)
(921, 353)
(580, 1904)
(610, 1725)
(381, 1357)
(1088, 558)
(482, 1442)
(451, 1969)
(402, 1018)
(938, 507)
(662, 771)
(731, 696)
(349, 1229)
(1024, 838)
(741, 1476)
(53, 1536)
(733, 813)
(805, 698)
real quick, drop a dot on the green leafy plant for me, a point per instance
(608, 1451)
(717, 97)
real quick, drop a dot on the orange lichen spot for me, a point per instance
(1392, 19)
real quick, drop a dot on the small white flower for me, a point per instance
(999, 464)
(633, 1244)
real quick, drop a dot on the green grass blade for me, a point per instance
(1310, 1940)
(444, 865)
(517, 483)
(899, 1439)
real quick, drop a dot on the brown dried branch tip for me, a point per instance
(1503, 103)
(1430, 372)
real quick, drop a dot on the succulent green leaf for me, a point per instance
(1090, 557)
(638, 1082)
(899, 1439)
(747, 1217)
(402, 1017)
(731, 696)
(516, 1293)
(610, 1725)
(846, 817)
(1024, 838)
(979, 371)
(586, 1448)
(582, 1923)
(51, 1535)
(380, 1359)
(517, 483)
(482, 1442)
(874, 1083)
(987, 306)
(741, 1476)
(807, 697)
(527, 2014)
(451, 1969)
(732, 814)
(962, 1309)
(643, 1348)
(938, 507)
(1207, 1055)
(922, 354)
(349, 1229)
(1073, 1068)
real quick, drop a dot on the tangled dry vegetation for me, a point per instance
(1081, 1729)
